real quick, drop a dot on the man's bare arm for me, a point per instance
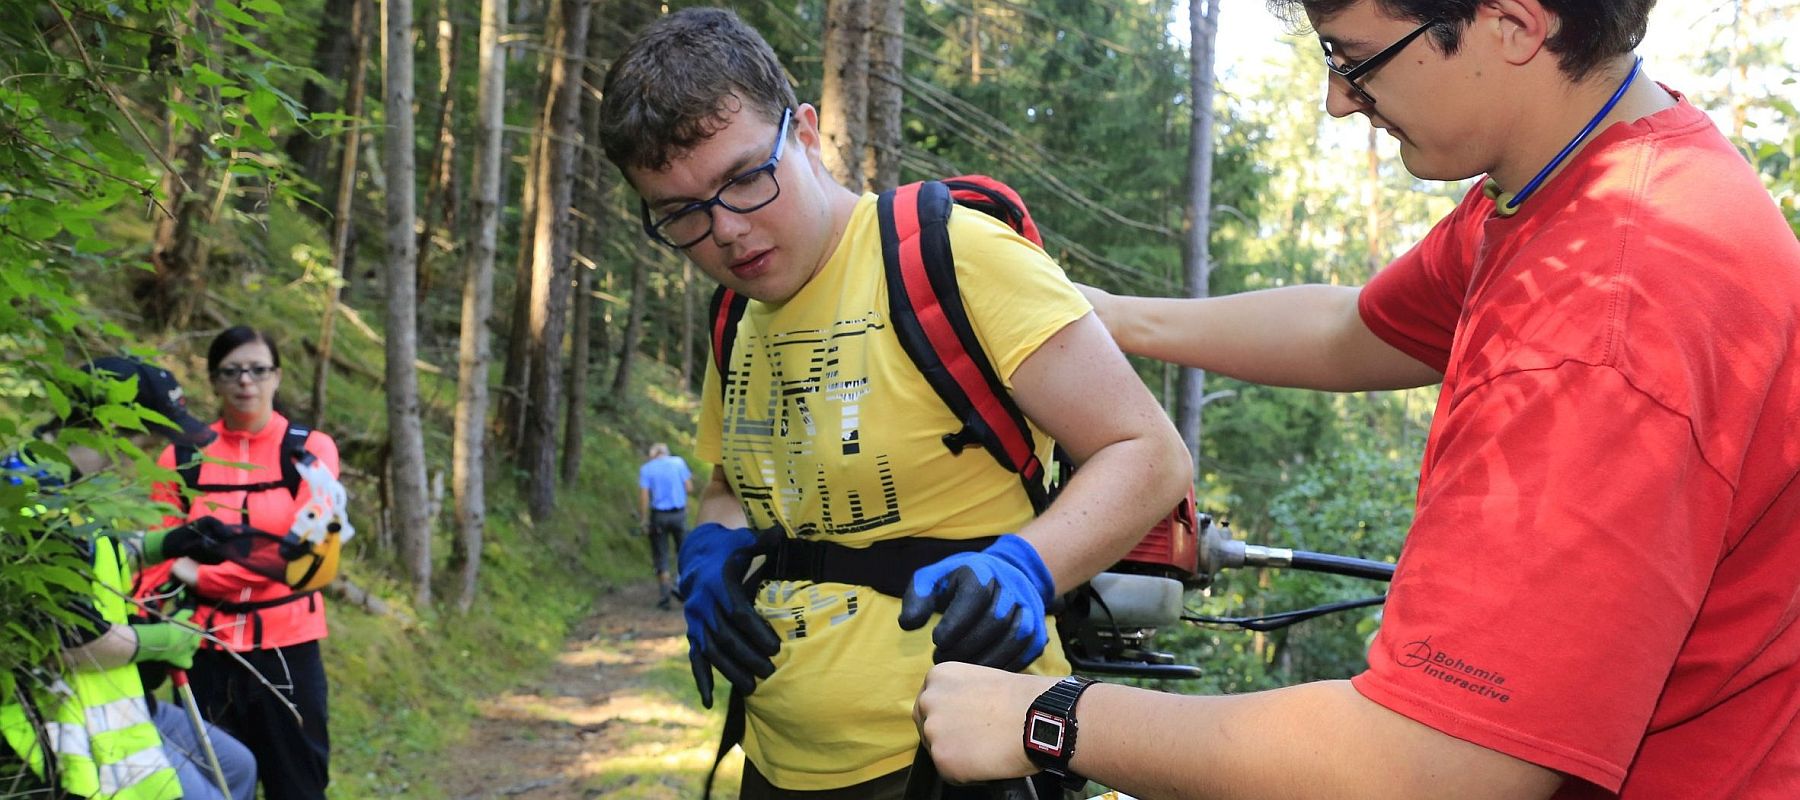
(1311, 337)
(1080, 389)
(719, 504)
(1315, 740)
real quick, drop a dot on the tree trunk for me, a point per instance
(467, 478)
(580, 330)
(844, 99)
(1372, 206)
(1203, 25)
(975, 42)
(688, 313)
(592, 192)
(634, 329)
(169, 293)
(440, 196)
(550, 251)
(404, 432)
(513, 401)
(887, 45)
(332, 59)
(342, 216)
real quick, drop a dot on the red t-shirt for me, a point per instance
(273, 510)
(1604, 572)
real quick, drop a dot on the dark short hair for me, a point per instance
(1591, 31)
(233, 338)
(679, 80)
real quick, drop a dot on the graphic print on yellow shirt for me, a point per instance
(826, 430)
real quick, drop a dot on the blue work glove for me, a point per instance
(992, 601)
(724, 630)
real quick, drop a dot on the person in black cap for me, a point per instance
(157, 391)
(114, 754)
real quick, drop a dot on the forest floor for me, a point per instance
(614, 717)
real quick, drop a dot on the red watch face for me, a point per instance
(1046, 733)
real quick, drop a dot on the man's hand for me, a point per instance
(203, 540)
(724, 630)
(972, 720)
(172, 642)
(992, 601)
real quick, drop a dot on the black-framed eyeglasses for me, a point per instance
(747, 192)
(231, 373)
(1351, 73)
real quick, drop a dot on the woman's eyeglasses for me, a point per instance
(257, 373)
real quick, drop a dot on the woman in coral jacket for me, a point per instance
(263, 621)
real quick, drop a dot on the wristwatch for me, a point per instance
(1050, 729)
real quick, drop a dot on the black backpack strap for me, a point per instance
(727, 310)
(729, 737)
(934, 329)
(885, 566)
(187, 465)
(293, 449)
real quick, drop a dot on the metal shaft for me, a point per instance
(179, 678)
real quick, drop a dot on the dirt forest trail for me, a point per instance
(614, 717)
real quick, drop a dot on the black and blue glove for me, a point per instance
(993, 605)
(205, 540)
(724, 630)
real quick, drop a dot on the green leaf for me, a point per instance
(230, 11)
(58, 401)
(263, 104)
(207, 77)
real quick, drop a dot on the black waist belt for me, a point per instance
(884, 566)
(254, 605)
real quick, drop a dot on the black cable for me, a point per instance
(1342, 565)
(1269, 622)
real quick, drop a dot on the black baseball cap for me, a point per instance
(157, 390)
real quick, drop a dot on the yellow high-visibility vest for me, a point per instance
(96, 724)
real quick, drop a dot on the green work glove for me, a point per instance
(172, 642)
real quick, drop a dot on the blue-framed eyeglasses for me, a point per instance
(1351, 73)
(747, 192)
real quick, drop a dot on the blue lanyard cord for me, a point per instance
(1544, 173)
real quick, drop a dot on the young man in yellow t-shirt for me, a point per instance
(824, 431)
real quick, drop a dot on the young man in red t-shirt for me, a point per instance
(1599, 590)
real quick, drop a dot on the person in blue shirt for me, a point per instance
(664, 484)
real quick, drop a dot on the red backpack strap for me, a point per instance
(995, 199)
(934, 329)
(727, 308)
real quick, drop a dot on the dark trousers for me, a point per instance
(666, 528)
(293, 757)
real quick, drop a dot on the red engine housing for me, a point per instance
(1171, 549)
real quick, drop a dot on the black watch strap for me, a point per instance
(1050, 729)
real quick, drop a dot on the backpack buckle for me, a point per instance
(962, 439)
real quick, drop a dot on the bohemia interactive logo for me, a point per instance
(1454, 671)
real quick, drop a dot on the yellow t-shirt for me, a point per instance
(830, 432)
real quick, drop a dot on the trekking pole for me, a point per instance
(179, 678)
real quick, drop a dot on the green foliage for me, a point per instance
(77, 153)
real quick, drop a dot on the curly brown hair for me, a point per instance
(1590, 32)
(680, 80)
